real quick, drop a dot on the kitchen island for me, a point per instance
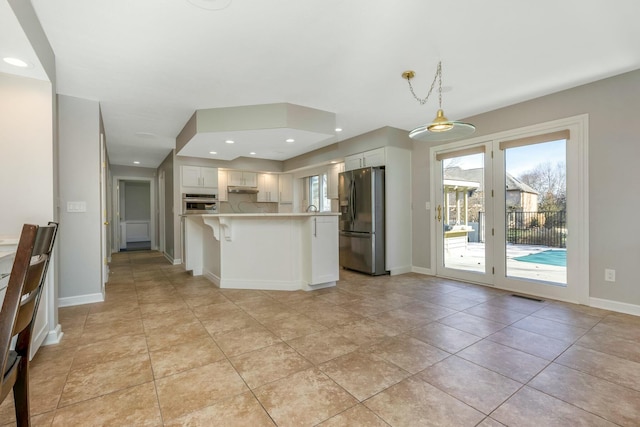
(269, 251)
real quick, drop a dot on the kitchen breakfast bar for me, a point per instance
(269, 251)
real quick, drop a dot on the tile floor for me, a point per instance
(169, 349)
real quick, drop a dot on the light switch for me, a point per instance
(76, 206)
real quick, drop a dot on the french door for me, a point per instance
(511, 210)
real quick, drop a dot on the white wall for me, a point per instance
(26, 153)
(137, 200)
(79, 181)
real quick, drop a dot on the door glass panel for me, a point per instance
(462, 212)
(536, 212)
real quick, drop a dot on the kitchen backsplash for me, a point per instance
(246, 203)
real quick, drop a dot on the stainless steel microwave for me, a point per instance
(199, 203)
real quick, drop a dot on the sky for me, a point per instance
(522, 159)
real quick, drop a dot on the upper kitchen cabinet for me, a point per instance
(285, 182)
(364, 160)
(332, 180)
(199, 177)
(267, 187)
(222, 186)
(246, 179)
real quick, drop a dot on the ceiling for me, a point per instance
(152, 63)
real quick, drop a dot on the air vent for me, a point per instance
(529, 298)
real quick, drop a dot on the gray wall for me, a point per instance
(137, 200)
(79, 180)
(167, 167)
(614, 152)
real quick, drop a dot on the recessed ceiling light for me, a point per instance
(213, 152)
(291, 140)
(135, 162)
(16, 62)
(229, 141)
(253, 153)
(338, 129)
(333, 162)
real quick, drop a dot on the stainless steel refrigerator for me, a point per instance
(361, 195)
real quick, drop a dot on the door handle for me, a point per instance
(439, 213)
(106, 223)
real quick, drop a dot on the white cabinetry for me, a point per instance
(285, 184)
(222, 186)
(267, 187)
(200, 177)
(321, 238)
(364, 160)
(247, 179)
(333, 176)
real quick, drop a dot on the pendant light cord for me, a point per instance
(437, 77)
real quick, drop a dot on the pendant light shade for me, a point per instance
(441, 128)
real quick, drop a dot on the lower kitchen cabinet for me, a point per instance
(321, 236)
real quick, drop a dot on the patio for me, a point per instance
(472, 259)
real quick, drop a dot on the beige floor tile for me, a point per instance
(163, 307)
(497, 314)
(164, 337)
(217, 323)
(359, 415)
(336, 317)
(529, 342)
(402, 319)
(123, 312)
(269, 364)
(183, 393)
(473, 324)
(322, 346)
(365, 331)
(213, 297)
(453, 302)
(111, 330)
(414, 402)
(568, 316)
(304, 398)
(51, 361)
(107, 350)
(162, 321)
(550, 328)
(44, 393)
(611, 344)
(240, 341)
(293, 326)
(610, 401)
(90, 381)
(619, 326)
(135, 406)
(184, 356)
(407, 352)
(504, 360)
(444, 337)
(242, 410)
(515, 303)
(490, 422)
(611, 368)
(363, 374)
(212, 310)
(531, 408)
(428, 310)
(474, 385)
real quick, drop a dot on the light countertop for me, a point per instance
(265, 214)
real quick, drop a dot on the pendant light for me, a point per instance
(440, 129)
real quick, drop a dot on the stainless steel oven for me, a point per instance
(199, 203)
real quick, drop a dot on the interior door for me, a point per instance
(103, 213)
(463, 203)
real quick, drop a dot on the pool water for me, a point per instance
(549, 257)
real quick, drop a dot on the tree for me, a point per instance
(551, 184)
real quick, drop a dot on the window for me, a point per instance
(317, 191)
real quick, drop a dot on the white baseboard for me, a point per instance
(80, 299)
(54, 336)
(621, 307)
(422, 270)
(169, 258)
(400, 270)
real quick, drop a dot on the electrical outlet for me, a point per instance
(609, 275)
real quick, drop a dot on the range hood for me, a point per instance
(237, 189)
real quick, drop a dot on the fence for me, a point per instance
(548, 228)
